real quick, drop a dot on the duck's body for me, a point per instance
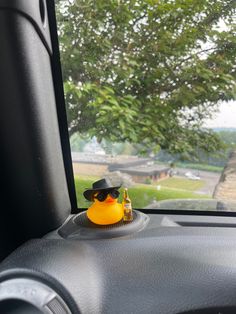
(105, 213)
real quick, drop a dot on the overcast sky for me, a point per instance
(226, 118)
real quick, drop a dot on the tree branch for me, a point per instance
(191, 56)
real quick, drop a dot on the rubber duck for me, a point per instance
(105, 209)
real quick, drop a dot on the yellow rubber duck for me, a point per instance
(105, 210)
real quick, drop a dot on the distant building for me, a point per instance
(144, 173)
(140, 169)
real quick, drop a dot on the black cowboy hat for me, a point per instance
(101, 185)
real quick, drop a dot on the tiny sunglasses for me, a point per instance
(101, 196)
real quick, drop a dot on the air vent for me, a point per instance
(197, 221)
(206, 224)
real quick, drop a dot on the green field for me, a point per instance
(182, 183)
(142, 194)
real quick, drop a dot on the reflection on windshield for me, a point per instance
(150, 89)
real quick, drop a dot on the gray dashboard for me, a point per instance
(177, 264)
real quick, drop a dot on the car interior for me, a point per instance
(52, 261)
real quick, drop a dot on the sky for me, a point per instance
(225, 118)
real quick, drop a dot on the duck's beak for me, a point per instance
(110, 200)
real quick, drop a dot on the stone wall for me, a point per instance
(226, 188)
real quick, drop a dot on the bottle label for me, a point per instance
(127, 206)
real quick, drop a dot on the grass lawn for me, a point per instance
(82, 183)
(182, 183)
(141, 194)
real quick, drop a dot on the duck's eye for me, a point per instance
(101, 196)
(114, 194)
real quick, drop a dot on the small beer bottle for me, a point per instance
(128, 214)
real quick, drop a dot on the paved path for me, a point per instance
(211, 179)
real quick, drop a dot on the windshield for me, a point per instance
(150, 89)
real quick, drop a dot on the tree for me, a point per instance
(148, 71)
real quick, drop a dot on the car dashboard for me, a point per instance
(174, 264)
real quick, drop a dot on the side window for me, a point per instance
(150, 89)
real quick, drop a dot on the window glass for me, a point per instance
(150, 89)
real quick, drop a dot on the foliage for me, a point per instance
(148, 71)
(113, 148)
(148, 181)
(228, 137)
(77, 143)
(198, 166)
(141, 195)
(204, 160)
